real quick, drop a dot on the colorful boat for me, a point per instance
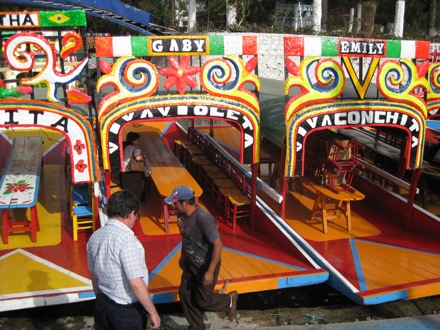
(44, 261)
(269, 240)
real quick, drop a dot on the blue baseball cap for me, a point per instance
(181, 193)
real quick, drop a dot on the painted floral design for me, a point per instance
(20, 186)
(79, 147)
(20, 179)
(81, 166)
(180, 74)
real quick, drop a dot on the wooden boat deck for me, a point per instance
(377, 261)
(53, 269)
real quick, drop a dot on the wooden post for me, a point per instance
(254, 168)
(283, 183)
(410, 203)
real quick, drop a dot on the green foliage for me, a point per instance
(244, 7)
(213, 15)
(261, 12)
(235, 28)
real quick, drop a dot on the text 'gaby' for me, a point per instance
(168, 46)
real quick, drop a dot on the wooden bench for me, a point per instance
(166, 170)
(19, 185)
(342, 199)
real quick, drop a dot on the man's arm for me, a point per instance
(139, 288)
(95, 284)
(215, 258)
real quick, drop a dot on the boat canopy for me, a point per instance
(273, 102)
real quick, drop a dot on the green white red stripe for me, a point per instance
(141, 45)
(329, 46)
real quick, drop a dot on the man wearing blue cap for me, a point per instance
(200, 260)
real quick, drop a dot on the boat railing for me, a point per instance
(261, 185)
(384, 178)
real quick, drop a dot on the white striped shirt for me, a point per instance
(116, 256)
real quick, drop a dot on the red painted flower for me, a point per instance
(78, 147)
(16, 187)
(180, 74)
(80, 166)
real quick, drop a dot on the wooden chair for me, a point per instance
(196, 164)
(208, 181)
(82, 210)
(218, 192)
(234, 204)
(237, 206)
(333, 161)
(177, 149)
(79, 194)
(83, 217)
(185, 153)
(205, 170)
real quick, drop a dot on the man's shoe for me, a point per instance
(233, 308)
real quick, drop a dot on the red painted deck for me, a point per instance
(377, 261)
(53, 269)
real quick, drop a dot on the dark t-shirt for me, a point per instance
(198, 232)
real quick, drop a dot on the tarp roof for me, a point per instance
(272, 103)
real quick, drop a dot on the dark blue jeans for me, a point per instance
(111, 315)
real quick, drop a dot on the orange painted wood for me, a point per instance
(227, 135)
(166, 170)
(343, 198)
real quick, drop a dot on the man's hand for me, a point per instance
(140, 289)
(207, 278)
(155, 321)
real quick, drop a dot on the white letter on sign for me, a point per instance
(186, 45)
(157, 46)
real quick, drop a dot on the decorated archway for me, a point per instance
(136, 98)
(351, 114)
(322, 80)
(17, 113)
(160, 109)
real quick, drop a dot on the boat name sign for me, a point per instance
(361, 47)
(170, 46)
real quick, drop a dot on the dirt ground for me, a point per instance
(287, 309)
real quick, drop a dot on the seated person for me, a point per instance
(130, 180)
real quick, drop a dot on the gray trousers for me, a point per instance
(196, 297)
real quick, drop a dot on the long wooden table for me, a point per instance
(19, 185)
(342, 198)
(166, 170)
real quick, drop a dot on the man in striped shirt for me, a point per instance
(116, 259)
